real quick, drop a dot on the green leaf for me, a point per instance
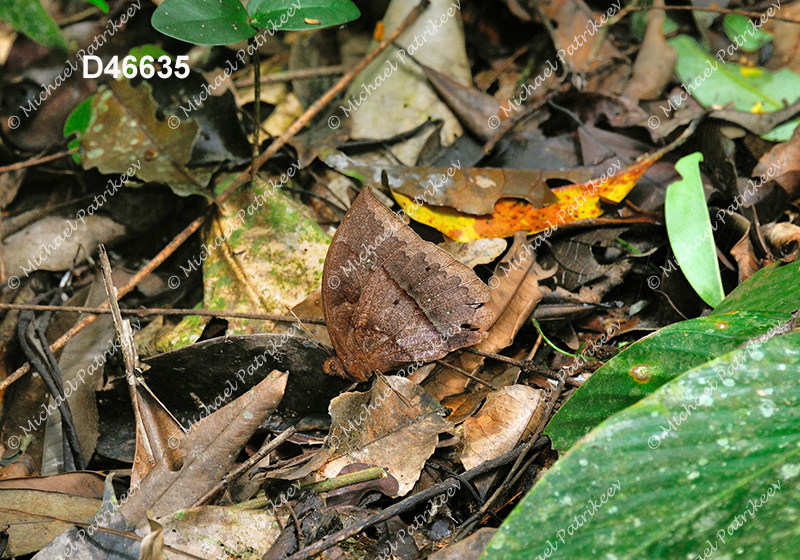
(148, 50)
(712, 82)
(751, 38)
(100, 4)
(648, 364)
(297, 15)
(30, 18)
(712, 456)
(768, 298)
(773, 288)
(689, 230)
(78, 121)
(203, 22)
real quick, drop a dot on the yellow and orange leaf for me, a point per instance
(575, 202)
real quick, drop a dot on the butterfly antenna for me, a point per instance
(312, 338)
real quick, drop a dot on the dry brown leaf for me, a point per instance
(652, 70)
(86, 484)
(28, 534)
(211, 448)
(395, 425)
(515, 293)
(783, 239)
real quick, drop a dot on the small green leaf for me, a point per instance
(78, 121)
(756, 90)
(297, 15)
(148, 50)
(30, 18)
(751, 38)
(203, 22)
(711, 456)
(689, 230)
(100, 4)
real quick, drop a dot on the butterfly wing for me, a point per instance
(391, 298)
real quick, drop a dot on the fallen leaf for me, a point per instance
(211, 448)
(124, 132)
(395, 425)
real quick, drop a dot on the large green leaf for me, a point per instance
(689, 230)
(297, 15)
(712, 82)
(768, 298)
(29, 17)
(705, 466)
(203, 22)
(773, 288)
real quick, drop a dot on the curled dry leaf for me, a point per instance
(784, 239)
(500, 424)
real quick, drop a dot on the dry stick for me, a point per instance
(754, 15)
(240, 179)
(266, 449)
(467, 374)
(412, 501)
(32, 162)
(150, 311)
(123, 534)
(290, 75)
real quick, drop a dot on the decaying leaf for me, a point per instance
(220, 532)
(395, 425)
(124, 132)
(575, 202)
(211, 448)
(263, 253)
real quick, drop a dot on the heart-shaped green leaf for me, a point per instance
(203, 22)
(297, 15)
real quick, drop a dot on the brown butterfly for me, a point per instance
(390, 298)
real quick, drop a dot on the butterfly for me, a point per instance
(390, 298)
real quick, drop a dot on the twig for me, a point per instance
(150, 311)
(36, 161)
(304, 74)
(411, 502)
(266, 449)
(467, 374)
